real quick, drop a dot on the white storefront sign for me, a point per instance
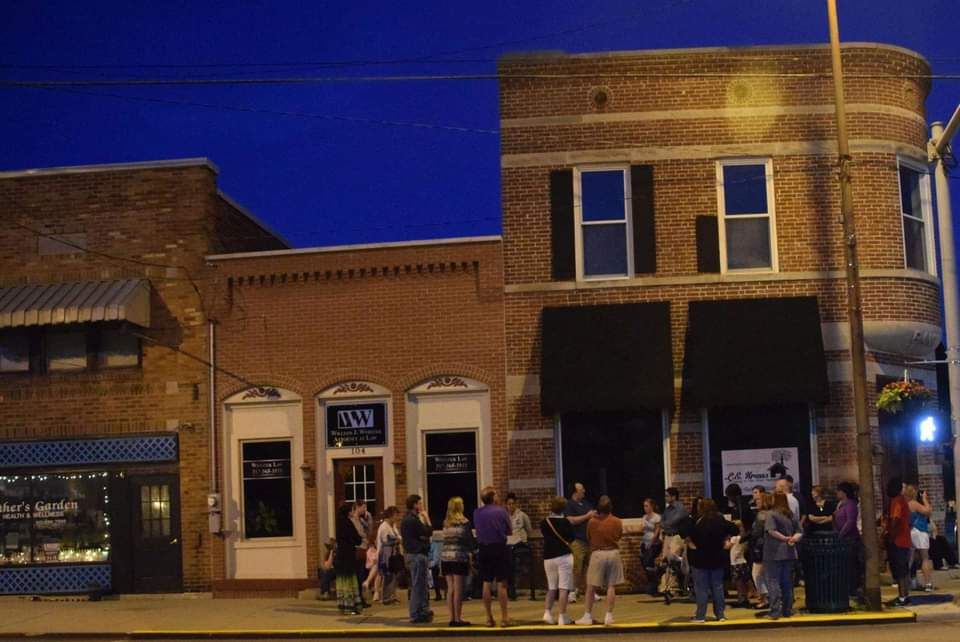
(759, 467)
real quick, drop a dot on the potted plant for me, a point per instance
(896, 395)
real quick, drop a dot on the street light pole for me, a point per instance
(855, 316)
(937, 148)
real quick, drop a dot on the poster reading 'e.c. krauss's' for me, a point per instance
(760, 466)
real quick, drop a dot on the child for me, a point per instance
(739, 569)
(326, 571)
(433, 563)
(372, 583)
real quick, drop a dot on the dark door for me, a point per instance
(356, 479)
(155, 526)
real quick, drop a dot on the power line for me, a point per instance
(276, 112)
(309, 80)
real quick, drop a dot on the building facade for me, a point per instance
(674, 268)
(104, 416)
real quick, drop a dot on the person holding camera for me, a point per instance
(920, 510)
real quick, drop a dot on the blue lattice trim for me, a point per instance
(23, 454)
(71, 578)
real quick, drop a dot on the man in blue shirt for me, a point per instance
(578, 512)
(415, 531)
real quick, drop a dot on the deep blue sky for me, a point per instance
(321, 180)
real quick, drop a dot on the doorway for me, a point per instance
(359, 479)
(155, 517)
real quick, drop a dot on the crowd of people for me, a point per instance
(752, 543)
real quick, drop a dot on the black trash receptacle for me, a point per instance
(826, 572)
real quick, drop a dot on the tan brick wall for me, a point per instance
(144, 219)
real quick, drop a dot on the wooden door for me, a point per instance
(156, 554)
(356, 479)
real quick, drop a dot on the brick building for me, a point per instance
(674, 268)
(104, 419)
(362, 372)
(666, 306)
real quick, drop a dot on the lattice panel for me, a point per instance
(21, 454)
(74, 578)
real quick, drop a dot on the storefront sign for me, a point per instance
(451, 464)
(357, 425)
(759, 467)
(267, 469)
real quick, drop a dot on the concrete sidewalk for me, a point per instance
(199, 616)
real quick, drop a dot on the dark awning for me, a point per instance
(754, 351)
(606, 357)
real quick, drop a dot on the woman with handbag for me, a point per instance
(458, 544)
(557, 560)
(389, 557)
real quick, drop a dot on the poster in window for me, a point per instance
(760, 466)
(267, 489)
(357, 425)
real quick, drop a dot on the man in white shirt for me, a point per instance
(522, 529)
(785, 487)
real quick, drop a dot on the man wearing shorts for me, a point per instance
(899, 543)
(606, 570)
(492, 523)
(578, 512)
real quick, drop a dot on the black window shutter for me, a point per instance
(708, 244)
(644, 229)
(563, 255)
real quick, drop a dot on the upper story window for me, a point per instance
(602, 203)
(916, 211)
(72, 348)
(747, 225)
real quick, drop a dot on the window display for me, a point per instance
(54, 518)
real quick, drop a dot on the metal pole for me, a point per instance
(938, 147)
(855, 316)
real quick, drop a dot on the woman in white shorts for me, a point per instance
(920, 532)
(557, 560)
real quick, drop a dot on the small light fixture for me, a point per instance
(928, 430)
(308, 475)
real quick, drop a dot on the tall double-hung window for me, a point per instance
(602, 201)
(916, 212)
(748, 236)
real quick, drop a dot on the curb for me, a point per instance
(666, 626)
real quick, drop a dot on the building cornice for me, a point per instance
(113, 167)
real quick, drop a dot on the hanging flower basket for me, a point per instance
(895, 395)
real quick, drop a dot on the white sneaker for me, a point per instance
(608, 619)
(564, 620)
(586, 619)
(572, 598)
(548, 618)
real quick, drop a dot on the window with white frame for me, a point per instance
(602, 203)
(747, 222)
(916, 212)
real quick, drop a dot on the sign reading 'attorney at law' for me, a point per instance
(354, 425)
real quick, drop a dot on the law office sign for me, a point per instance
(357, 425)
(759, 466)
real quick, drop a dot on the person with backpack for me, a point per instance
(755, 549)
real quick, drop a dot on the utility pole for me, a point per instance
(855, 317)
(937, 149)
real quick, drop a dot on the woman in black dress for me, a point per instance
(345, 562)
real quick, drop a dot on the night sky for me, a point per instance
(361, 161)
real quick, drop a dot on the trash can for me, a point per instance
(826, 572)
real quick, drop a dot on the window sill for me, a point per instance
(268, 542)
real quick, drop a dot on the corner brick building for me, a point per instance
(674, 269)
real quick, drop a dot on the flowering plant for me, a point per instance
(893, 395)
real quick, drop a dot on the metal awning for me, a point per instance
(84, 302)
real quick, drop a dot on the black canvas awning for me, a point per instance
(606, 357)
(754, 351)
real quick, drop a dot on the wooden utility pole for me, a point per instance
(855, 316)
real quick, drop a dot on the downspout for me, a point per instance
(214, 482)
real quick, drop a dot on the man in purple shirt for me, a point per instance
(492, 523)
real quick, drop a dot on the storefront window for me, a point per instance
(54, 518)
(615, 454)
(267, 489)
(451, 472)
